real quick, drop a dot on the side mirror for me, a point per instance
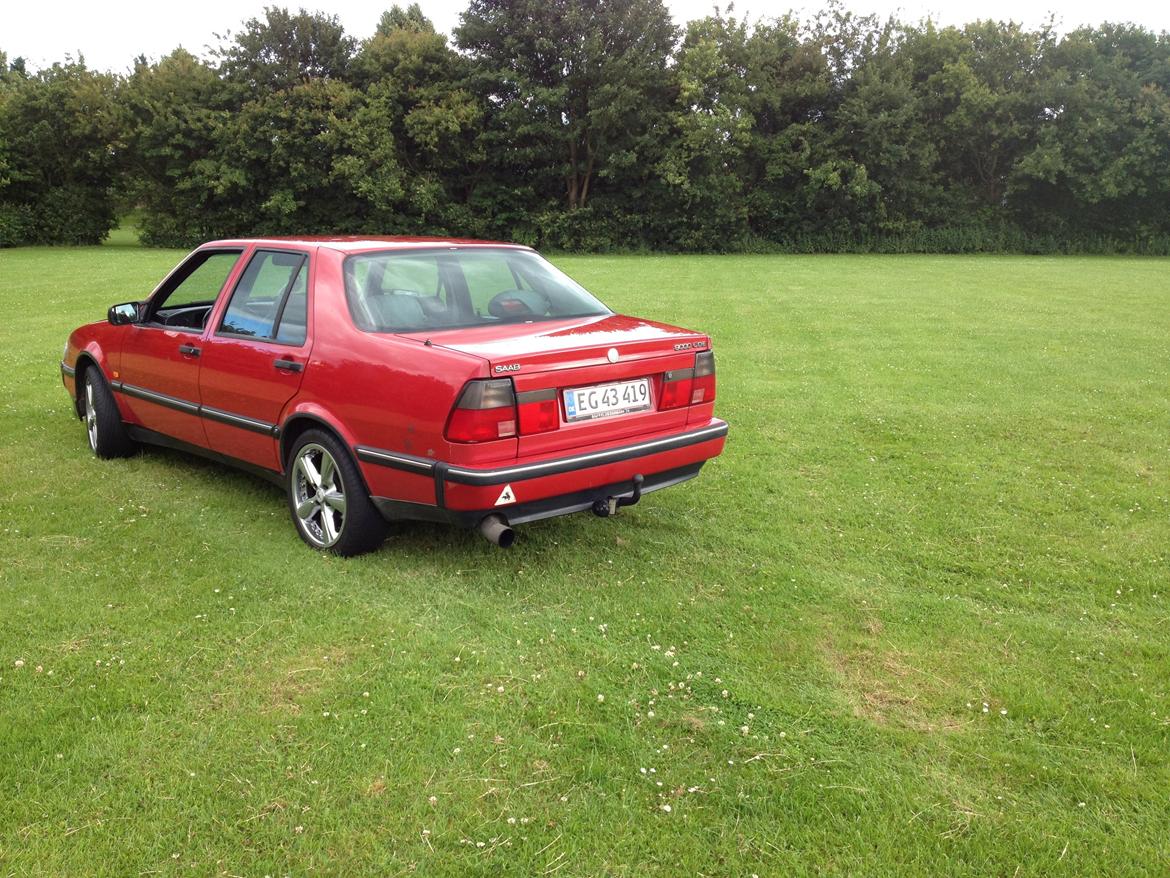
(120, 315)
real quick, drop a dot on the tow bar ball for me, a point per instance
(610, 505)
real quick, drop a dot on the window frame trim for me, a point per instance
(304, 264)
(203, 254)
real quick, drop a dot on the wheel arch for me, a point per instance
(86, 360)
(299, 423)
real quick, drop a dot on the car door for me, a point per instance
(254, 360)
(158, 373)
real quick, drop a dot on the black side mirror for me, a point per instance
(120, 315)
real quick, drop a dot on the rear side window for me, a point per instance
(270, 300)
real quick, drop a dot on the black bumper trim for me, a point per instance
(503, 475)
(446, 472)
(522, 513)
(68, 371)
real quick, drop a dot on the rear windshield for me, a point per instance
(442, 289)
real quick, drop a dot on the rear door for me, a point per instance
(254, 360)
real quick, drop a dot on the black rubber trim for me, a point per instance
(191, 408)
(480, 477)
(171, 402)
(678, 374)
(526, 396)
(68, 371)
(446, 472)
(395, 460)
(240, 421)
(535, 510)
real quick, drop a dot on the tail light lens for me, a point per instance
(676, 389)
(486, 411)
(703, 387)
(538, 411)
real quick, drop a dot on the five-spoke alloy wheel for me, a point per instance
(327, 497)
(319, 496)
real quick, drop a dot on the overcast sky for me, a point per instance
(112, 33)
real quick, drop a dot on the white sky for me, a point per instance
(112, 33)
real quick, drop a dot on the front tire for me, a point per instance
(103, 423)
(328, 500)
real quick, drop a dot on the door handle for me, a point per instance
(189, 349)
(288, 365)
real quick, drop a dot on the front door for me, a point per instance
(254, 360)
(158, 376)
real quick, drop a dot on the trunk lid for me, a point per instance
(580, 353)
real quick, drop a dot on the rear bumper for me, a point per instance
(550, 487)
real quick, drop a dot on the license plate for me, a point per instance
(606, 400)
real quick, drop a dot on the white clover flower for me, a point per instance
(600, 698)
(666, 808)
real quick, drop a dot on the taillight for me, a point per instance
(676, 389)
(538, 411)
(703, 387)
(486, 410)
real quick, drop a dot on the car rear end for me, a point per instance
(589, 424)
(563, 406)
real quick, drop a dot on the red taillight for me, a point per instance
(703, 387)
(676, 389)
(486, 410)
(682, 387)
(538, 411)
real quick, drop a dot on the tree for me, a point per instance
(177, 113)
(61, 130)
(284, 50)
(702, 164)
(418, 131)
(579, 88)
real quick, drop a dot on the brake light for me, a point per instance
(486, 411)
(537, 411)
(676, 389)
(703, 387)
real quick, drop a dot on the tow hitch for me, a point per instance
(610, 505)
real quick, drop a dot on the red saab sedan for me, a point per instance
(391, 378)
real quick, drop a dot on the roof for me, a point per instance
(357, 243)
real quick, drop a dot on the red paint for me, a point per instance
(398, 393)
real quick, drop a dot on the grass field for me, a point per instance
(914, 621)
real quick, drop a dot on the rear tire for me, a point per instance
(327, 498)
(103, 423)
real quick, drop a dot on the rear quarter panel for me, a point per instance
(385, 391)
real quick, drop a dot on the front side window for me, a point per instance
(270, 299)
(449, 288)
(187, 297)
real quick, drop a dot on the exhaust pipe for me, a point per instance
(495, 530)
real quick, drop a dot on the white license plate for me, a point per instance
(605, 400)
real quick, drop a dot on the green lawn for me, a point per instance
(914, 621)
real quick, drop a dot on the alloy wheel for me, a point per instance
(91, 424)
(318, 496)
